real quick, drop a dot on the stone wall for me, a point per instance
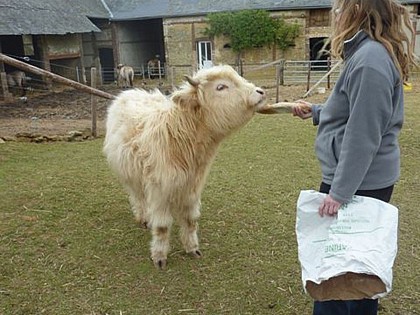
(182, 35)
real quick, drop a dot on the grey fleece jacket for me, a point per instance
(357, 141)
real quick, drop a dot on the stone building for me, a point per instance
(174, 30)
(104, 33)
(48, 33)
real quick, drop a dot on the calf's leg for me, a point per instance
(188, 221)
(138, 206)
(160, 224)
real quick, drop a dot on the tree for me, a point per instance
(252, 29)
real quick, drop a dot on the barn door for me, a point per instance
(204, 53)
(106, 55)
(319, 53)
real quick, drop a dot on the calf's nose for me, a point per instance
(260, 91)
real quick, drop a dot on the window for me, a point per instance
(204, 53)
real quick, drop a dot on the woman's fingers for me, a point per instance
(302, 110)
(329, 207)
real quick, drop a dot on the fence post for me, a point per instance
(277, 82)
(282, 66)
(80, 75)
(7, 95)
(279, 78)
(308, 84)
(328, 70)
(159, 69)
(93, 102)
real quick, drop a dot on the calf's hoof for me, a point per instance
(160, 264)
(196, 253)
(142, 223)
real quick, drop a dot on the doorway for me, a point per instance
(106, 56)
(319, 53)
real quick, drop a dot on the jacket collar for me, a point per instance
(351, 45)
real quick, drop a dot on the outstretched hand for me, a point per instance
(303, 109)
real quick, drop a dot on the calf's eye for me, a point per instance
(221, 87)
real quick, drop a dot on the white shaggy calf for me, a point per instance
(161, 148)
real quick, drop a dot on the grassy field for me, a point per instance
(69, 244)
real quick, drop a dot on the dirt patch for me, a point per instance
(51, 114)
(65, 114)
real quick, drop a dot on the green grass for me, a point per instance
(69, 244)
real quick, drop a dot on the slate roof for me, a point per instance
(144, 9)
(72, 16)
(34, 17)
(147, 9)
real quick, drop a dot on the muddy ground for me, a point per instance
(65, 114)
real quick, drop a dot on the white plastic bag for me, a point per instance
(361, 239)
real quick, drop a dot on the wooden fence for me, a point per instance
(273, 74)
(282, 72)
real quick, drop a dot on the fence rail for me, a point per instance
(291, 72)
(273, 74)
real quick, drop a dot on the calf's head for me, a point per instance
(221, 98)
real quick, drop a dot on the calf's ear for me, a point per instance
(187, 97)
(186, 100)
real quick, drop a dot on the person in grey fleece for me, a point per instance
(359, 124)
(357, 141)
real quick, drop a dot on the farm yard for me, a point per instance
(66, 110)
(69, 244)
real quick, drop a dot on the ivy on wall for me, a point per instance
(252, 29)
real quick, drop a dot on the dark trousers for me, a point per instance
(352, 307)
(383, 194)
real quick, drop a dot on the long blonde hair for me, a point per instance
(386, 21)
